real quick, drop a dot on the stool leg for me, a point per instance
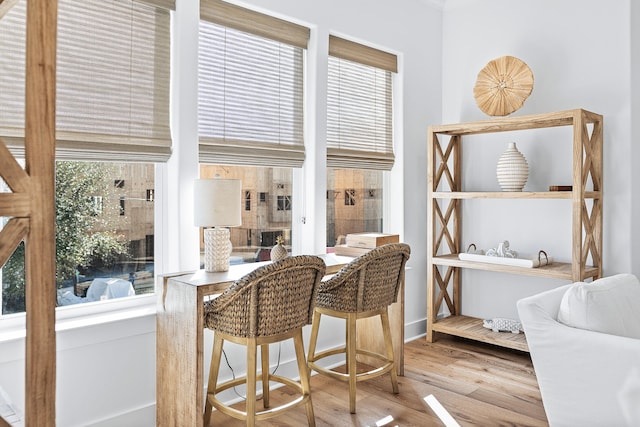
(252, 350)
(351, 360)
(315, 327)
(388, 344)
(265, 374)
(214, 368)
(304, 376)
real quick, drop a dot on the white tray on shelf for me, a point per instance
(522, 261)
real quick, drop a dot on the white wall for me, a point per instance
(579, 53)
(105, 368)
(106, 372)
(635, 135)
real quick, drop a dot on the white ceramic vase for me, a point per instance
(512, 170)
(279, 251)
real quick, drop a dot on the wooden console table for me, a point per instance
(180, 382)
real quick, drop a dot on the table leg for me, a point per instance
(179, 355)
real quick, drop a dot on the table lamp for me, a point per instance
(217, 204)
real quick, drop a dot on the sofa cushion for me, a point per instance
(610, 305)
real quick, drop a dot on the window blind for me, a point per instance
(231, 16)
(250, 101)
(112, 83)
(359, 106)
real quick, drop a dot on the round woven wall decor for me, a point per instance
(503, 85)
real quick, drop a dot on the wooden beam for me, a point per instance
(12, 173)
(40, 288)
(5, 6)
(15, 205)
(11, 236)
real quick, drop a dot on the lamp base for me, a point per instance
(217, 249)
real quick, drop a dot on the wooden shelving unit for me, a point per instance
(444, 203)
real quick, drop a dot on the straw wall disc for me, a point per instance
(503, 85)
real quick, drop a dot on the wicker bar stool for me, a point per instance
(269, 305)
(363, 288)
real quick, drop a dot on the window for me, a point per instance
(112, 124)
(247, 200)
(354, 213)
(262, 224)
(90, 246)
(359, 136)
(284, 203)
(350, 197)
(97, 205)
(250, 116)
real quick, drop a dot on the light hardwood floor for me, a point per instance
(478, 384)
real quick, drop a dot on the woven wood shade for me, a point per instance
(250, 87)
(252, 22)
(112, 83)
(359, 106)
(503, 85)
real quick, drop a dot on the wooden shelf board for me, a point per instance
(533, 121)
(512, 195)
(557, 270)
(471, 328)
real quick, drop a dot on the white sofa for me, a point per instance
(587, 378)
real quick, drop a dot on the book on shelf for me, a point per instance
(370, 240)
(560, 188)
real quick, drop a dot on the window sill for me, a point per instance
(83, 316)
(104, 312)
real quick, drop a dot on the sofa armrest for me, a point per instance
(580, 372)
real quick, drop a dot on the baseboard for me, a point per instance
(137, 417)
(415, 330)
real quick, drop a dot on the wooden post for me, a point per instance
(40, 288)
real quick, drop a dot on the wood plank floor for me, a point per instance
(478, 384)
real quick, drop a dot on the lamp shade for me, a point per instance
(217, 202)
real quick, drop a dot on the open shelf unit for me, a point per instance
(444, 203)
